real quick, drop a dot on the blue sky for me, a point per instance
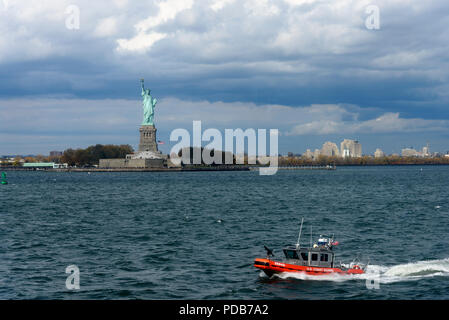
(310, 68)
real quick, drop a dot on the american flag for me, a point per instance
(160, 142)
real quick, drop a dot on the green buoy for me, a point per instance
(4, 181)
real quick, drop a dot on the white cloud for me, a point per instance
(106, 27)
(146, 38)
(261, 7)
(220, 4)
(168, 10)
(140, 42)
(385, 123)
(81, 115)
(121, 3)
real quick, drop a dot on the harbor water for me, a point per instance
(194, 235)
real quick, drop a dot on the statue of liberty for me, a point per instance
(149, 103)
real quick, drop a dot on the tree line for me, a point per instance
(189, 152)
(361, 161)
(92, 155)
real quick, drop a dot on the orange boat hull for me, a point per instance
(271, 267)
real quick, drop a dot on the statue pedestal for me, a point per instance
(148, 146)
(148, 139)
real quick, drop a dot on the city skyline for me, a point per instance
(329, 149)
(353, 149)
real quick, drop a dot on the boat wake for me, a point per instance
(410, 271)
(382, 274)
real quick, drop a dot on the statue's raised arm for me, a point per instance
(143, 86)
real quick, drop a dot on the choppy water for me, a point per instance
(194, 235)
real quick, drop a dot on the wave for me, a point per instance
(382, 274)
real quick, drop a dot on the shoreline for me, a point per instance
(244, 168)
(218, 168)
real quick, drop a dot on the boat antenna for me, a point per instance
(299, 237)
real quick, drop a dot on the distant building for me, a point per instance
(410, 152)
(426, 151)
(379, 153)
(330, 149)
(60, 166)
(308, 154)
(316, 153)
(39, 165)
(45, 165)
(350, 148)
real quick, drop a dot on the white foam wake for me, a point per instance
(383, 274)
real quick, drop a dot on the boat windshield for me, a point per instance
(291, 254)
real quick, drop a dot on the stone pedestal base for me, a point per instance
(148, 139)
(131, 163)
(148, 156)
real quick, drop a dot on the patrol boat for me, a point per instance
(318, 259)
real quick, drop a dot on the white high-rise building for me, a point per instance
(330, 149)
(351, 148)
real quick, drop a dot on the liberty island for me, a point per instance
(148, 155)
